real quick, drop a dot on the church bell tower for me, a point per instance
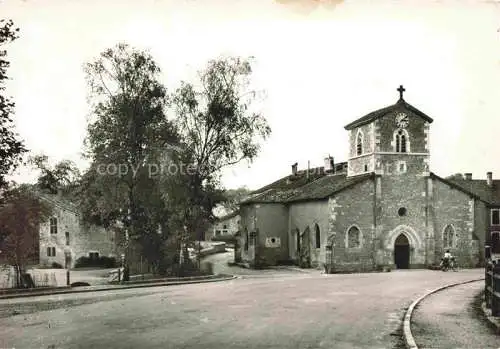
(390, 141)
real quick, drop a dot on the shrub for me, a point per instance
(56, 265)
(79, 284)
(225, 238)
(100, 262)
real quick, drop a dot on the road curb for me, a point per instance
(492, 320)
(117, 288)
(408, 336)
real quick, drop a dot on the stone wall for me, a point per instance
(232, 226)
(453, 207)
(308, 214)
(248, 214)
(363, 163)
(401, 209)
(416, 131)
(353, 206)
(82, 238)
(481, 224)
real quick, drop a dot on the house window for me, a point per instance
(53, 225)
(224, 227)
(94, 255)
(318, 236)
(359, 143)
(353, 237)
(495, 242)
(51, 251)
(495, 216)
(67, 238)
(217, 233)
(449, 238)
(401, 141)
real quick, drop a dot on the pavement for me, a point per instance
(36, 292)
(220, 266)
(292, 310)
(453, 318)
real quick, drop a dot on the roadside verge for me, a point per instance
(494, 321)
(136, 284)
(407, 334)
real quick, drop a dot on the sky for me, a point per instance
(322, 64)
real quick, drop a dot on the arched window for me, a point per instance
(449, 237)
(401, 141)
(353, 237)
(317, 236)
(246, 239)
(297, 241)
(359, 143)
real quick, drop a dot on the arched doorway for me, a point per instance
(402, 252)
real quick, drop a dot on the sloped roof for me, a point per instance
(327, 186)
(480, 187)
(280, 190)
(401, 104)
(59, 201)
(318, 186)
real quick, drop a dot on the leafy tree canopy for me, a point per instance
(12, 147)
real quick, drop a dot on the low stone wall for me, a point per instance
(41, 277)
(217, 247)
(48, 277)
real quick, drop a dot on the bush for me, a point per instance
(100, 262)
(56, 265)
(230, 239)
(79, 284)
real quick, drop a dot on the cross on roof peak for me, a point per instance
(401, 89)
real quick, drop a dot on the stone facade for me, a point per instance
(387, 210)
(64, 233)
(226, 225)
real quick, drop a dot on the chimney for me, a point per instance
(329, 165)
(308, 168)
(468, 176)
(294, 169)
(489, 179)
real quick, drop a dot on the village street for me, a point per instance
(293, 310)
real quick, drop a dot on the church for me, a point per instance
(382, 209)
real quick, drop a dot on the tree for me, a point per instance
(11, 147)
(233, 197)
(456, 177)
(128, 133)
(21, 212)
(218, 127)
(62, 176)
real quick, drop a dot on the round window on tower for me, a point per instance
(402, 211)
(273, 240)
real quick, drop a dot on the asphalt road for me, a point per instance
(435, 323)
(290, 311)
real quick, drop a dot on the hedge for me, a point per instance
(225, 238)
(102, 262)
